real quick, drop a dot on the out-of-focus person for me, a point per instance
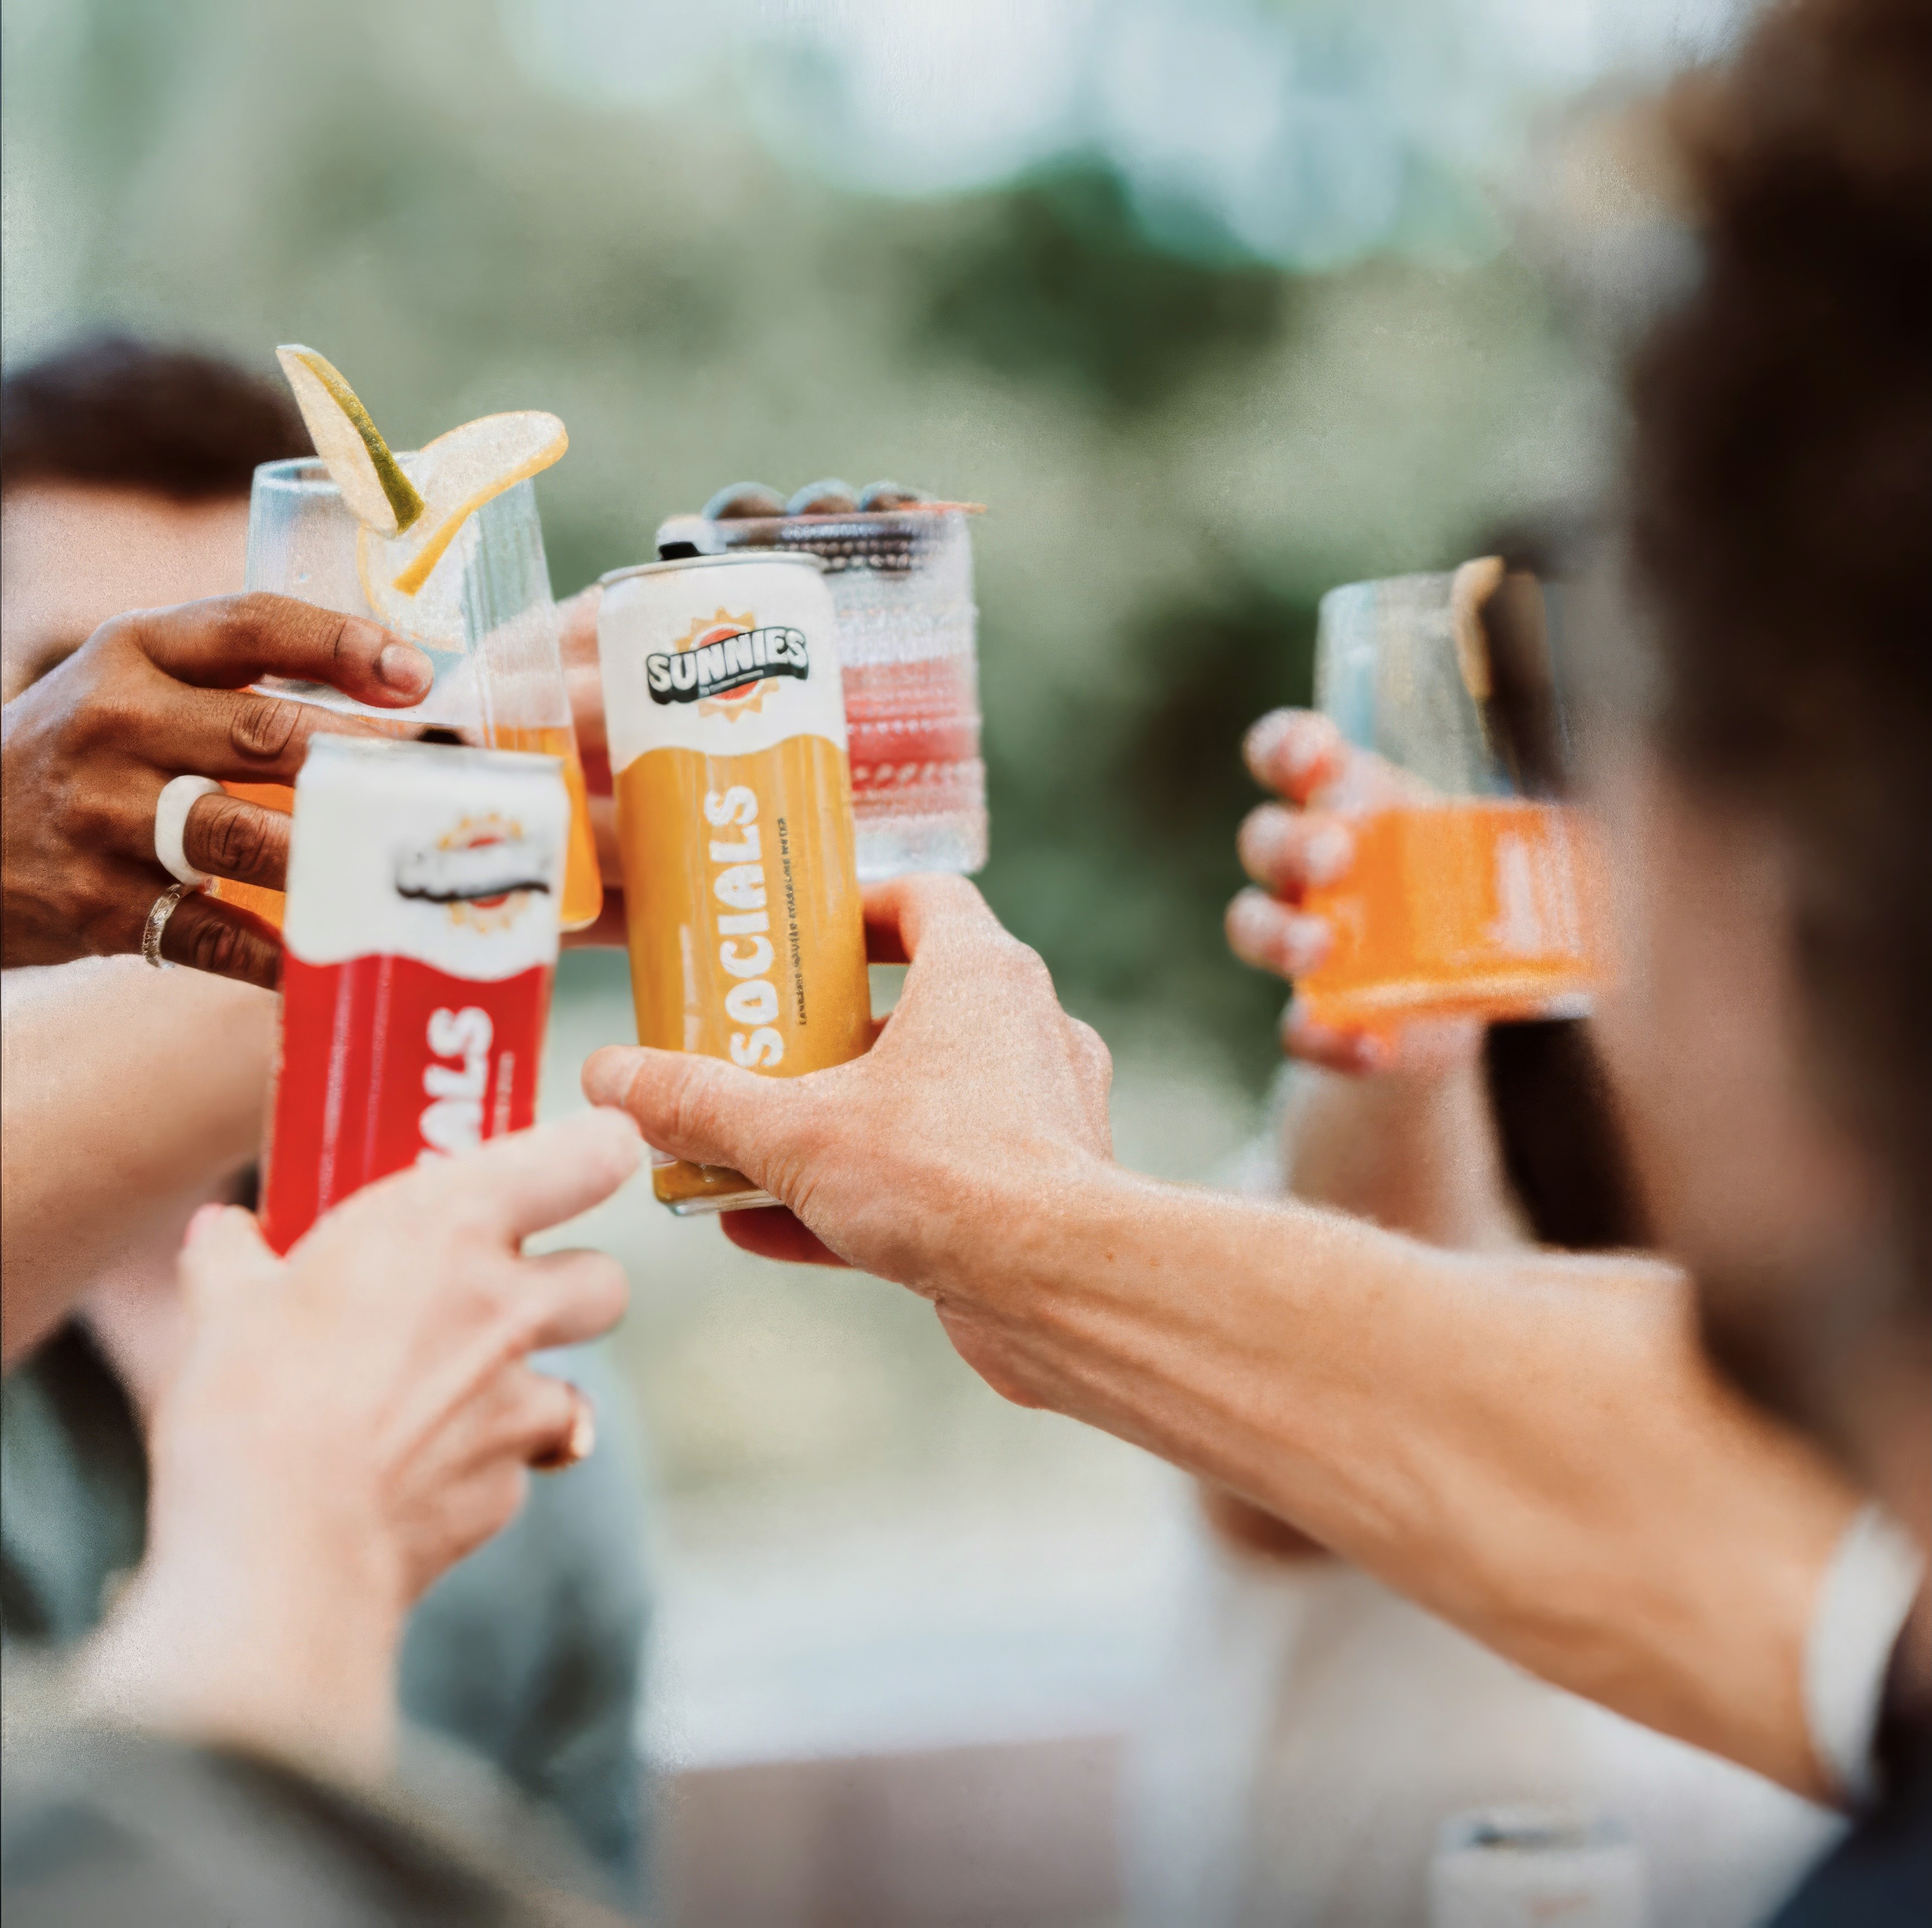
(132, 1097)
(1312, 1730)
(345, 1423)
(1537, 1445)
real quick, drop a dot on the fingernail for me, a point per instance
(1251, 922)
(1262, 836)
(1327, 854)
(1304, 942)
(1369, 1050)
(604, 1080)
(403, 667)
(204, 1218)
(1301, 751)
(1263, 736)
(583, 1429)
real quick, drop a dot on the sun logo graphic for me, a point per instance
(484, 871)
(727, 664)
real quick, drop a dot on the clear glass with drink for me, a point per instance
(1473, 887)
(484, 615)
(901, 586)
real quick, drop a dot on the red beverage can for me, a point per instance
(420, 940)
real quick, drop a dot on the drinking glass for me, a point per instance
(901, 584)
(1473, 887)
(484, 617)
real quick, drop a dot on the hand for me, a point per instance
(148, 697)
(346, 1424)
(981, 1095)
(1304, 758)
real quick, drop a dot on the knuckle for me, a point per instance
(694, 1108)
(602, 1284)
(1090, 1041)
(1021, 966)
(263, 726)
(257, 612)
(235, 838)
(111, 714)
(500, 1495)
(115, 637)
(214, 944)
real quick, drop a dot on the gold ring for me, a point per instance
(577, 1445)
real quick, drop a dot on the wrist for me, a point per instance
(1012, 1222)
(277, 1657)
(264, 1616)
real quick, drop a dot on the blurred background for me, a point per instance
(1216, 304)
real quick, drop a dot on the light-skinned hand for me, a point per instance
(979, 1089)
(347, 1422)
(1307, 839)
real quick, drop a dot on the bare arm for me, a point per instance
(127, 1093)
(1529, 1445)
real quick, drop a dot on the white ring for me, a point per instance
(178, 797)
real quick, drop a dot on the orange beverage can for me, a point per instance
(727, 725)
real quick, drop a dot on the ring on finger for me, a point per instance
(164, 908)
(576, 1445)
(179, 796)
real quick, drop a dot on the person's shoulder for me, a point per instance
(1881, 1873)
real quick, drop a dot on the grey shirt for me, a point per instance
(529, 1652)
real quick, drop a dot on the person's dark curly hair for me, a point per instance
(1781, 525)
(115, 411)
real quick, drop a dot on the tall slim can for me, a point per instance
(726, 726)
(420, 942)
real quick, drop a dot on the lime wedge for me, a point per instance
(380, 495)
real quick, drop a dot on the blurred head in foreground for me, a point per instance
(1775, 1041)
(126, 471)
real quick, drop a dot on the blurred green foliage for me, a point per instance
(1179, 454)
(1061, 287)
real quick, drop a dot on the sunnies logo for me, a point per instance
(728, 660)
(484, 872)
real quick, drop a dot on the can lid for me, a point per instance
(443, 756)
(737, 558)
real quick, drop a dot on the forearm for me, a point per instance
(127, 1093)
(1414, 1152)
(1529, 1446)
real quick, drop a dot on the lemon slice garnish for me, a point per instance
(414, 580)
(380, 495)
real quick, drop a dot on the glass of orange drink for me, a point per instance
(481, 611)
(1475, 887)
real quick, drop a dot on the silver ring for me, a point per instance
(157, 922)
(179, 796)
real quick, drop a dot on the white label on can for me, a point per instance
(723, 659)
(401, 850)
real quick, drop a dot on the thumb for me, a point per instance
(691, 1106)
(222, 1256)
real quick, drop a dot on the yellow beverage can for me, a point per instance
(727, 724)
